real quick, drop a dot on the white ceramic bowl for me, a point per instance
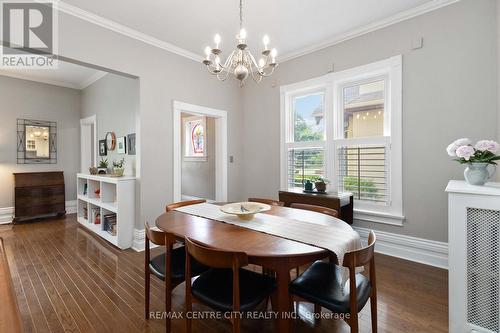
(245, 210)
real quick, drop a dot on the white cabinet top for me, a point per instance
(105, 178)
(461, 186)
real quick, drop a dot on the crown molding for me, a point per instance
(79, 86)
(124, 30)
(97, 76)
(339, 38)
(399, 17)
(40, 80)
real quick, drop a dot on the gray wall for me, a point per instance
(164, 77)
(449, 91)
(198, 177)
(114, 100)
(39, 101)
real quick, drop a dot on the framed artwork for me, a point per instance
(103, 148)
(121, 145)
(131, 144)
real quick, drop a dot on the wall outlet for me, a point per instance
(231, 159)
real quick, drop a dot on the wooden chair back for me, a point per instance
(214, 257)
(314, 208)
(270, 202)
(361, 257)
(175, 205)
(155, 236)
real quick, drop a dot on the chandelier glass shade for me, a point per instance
(241, 62)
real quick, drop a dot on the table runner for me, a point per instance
(337, 236)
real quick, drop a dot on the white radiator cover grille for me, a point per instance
(483, 268)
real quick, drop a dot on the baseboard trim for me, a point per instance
(139, 242)
(424, 251)
(7, 213)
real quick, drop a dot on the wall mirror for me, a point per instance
(36, 142)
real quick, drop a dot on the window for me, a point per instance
(346, 127)
(194, 138)
(305, 147)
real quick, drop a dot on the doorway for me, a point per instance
(88, 143)
(194, 127)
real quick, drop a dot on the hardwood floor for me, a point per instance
(67, 280)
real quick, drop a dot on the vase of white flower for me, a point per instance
(480, 159)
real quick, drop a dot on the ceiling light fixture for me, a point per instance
(240, 62)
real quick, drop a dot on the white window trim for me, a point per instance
(330, 83)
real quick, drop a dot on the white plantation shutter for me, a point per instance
(363, 170)
(305, 164)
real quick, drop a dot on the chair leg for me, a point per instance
(236, 324)
(353, 322)
(168, 304)
(147, 282)
(373, 308)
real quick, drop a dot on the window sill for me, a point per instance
(378, 217)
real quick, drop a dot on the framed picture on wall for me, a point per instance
(131, 144)
(103, 148)
(121, 144)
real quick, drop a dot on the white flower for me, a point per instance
(465, 152)
(487, 145)
(452, 148)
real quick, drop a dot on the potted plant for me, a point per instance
(477, 157)
(102, 168)
(320, 184)
(119, 167)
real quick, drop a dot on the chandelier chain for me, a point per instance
(241, 14)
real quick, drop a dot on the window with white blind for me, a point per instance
(346, 127)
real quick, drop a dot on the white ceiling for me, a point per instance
(66, 75)
(293, 25)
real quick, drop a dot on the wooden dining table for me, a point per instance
(275, 253)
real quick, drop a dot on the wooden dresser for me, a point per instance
(39, 194)
(341, 202)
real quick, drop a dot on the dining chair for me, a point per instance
(226, 286)
(175, 259)
(175, 205)
(322, 285)
(270, 202)
(314, 208)
(317, 209)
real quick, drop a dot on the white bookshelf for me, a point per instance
(116, 195)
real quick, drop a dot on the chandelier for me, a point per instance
(240, 62)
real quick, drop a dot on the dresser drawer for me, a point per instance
(39, 193)
(32, 211)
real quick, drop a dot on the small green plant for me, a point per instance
(103, 163)
(119, 164)
(321, 180)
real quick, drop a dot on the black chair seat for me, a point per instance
(157, 265)
(322, 284)
(215, 289)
